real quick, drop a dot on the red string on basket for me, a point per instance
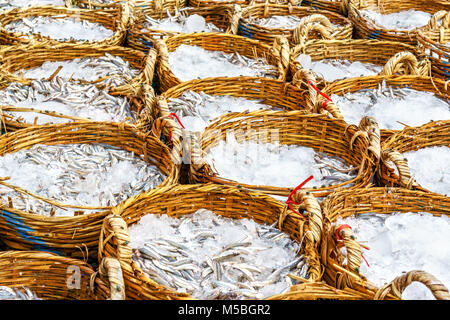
(289, 201)
(324, 104)
(338, 231)
(178, 119)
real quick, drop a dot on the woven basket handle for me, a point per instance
(301, 80)
(354, 252)
(114, 232)
(368, 128)
(310, 204)
(234, 23)
(344, 6)
(281, 49)
(149, 68)
(111, 272)
(163, 52)
(405, 178)
(401, 63)
(399, 284)
(314, 22)
(443, 16)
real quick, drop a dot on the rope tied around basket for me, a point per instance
(234, 24)
(368, 128)
(115, 229)
(355, 256)
(314, 22)
(281, 49)
(111, 272)
(399, 284)
(405, 178)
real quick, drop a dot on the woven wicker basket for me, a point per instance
(142, 38)
(432, 42)
(318, 132)
(397, 58)
(338, 6)
(437, 86)
(140, 102)
(113, 19)
(378, 200)
(72, 236)
(432, 134)
(242, 26)
(48, 275)
(158, 8)
(278, 55)
(16, 58)
(275, 93)
(180, 200)
(366, 29)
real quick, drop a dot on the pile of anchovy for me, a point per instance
(334, 170)
(77, 174)
(7, 293)
(31, 26)
(197, 260)
(259, 64)
(117, 71)
(83, 100)
(179, 20)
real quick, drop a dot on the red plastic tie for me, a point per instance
(338, 231)
(289, 200)
(321, 93)
(178, 119)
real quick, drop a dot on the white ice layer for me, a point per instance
(261, 253)
(197, 110)
(403, 20)
(271, 164)
(409, 106)
(60, 29)
(182, 24)
(401, 243)
(337, 69)
(430, 168)
(192, 62)
(70, 99)
(89, 69)
(76, 174)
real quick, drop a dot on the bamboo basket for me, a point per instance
(16, 58)
(275, 93)
(141, 38)
(356, 146)
(338, 6)
(225, 201)
(396, 58)
(140, 102)
(435, 85)
(75, 235)
(378, 200)
(278, 55)
(432, 42)
(432, 134)
(366, 29)
(48, 275)
(114, 19)
(158, 8)
(241, 25)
